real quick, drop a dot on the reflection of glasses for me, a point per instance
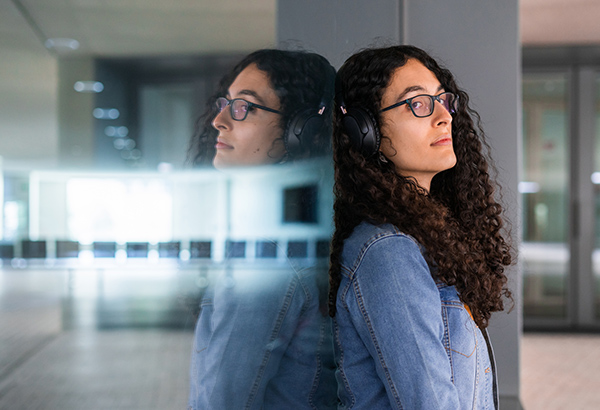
(239, 108)
(422, 105)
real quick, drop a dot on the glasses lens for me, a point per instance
(449, 101)
(221, 103)
(239, 109)
(422, 105)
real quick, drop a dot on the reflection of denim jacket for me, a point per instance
(261, 342)
(401, 340)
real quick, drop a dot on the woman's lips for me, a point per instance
(446, 140)
(222, 145)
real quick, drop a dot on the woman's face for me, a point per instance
(251, 141)
(418, 147)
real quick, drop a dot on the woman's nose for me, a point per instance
(441, 114)
(222, 120)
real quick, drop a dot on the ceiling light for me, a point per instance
(62, 44)
(106, 113)
(88, 86)
(121, 131)
(110, 131)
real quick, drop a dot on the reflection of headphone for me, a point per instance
(305, 124)
(359, 124)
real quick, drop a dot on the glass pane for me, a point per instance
(544, 189)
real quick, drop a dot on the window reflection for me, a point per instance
(263, 336)
(108, 229)
(123, 209)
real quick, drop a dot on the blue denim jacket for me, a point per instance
(403, 341)
(262, 342)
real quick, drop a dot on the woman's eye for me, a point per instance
(416, 105)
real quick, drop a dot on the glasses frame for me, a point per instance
(433, 98)
(250, 105)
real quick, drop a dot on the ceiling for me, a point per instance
(559, 22)
(113, 28)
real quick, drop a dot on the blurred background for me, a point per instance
(107, 234)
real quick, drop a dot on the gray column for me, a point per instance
(582, 228)
(479, 42)
(338, 28)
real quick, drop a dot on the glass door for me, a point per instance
(560, 192)
(544, 189)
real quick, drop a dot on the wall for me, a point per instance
(28, 77)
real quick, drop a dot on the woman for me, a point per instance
(418, 256)
(263, 338)
(288, 115)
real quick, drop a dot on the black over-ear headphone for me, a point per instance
(359, 124)
(300, 129)
(305, 123)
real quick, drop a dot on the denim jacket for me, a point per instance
(262, 342)
(403, 341)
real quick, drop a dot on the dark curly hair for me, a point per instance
(458, 222)
(301, 80)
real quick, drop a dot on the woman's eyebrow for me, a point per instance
(253, 94)
(408, 90)
(416, 88)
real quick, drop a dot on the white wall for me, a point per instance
(240, 204)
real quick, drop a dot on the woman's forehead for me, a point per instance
(411, 78)
(254, 84)
(413, 74)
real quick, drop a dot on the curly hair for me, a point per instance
(458, 222)
(301, 80)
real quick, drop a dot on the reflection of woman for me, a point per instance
(263, 339)
(418, 256)
(266, 110)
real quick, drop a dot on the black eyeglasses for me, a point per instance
(422, 105)
(239, 108)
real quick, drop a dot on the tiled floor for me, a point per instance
(147, 369)
(124, 369)
(560, 372)
(53, 357)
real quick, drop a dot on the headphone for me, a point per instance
(300, 129)
(359, 124)
(305, 123)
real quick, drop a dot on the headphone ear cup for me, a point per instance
(301, 129)
(361, 127)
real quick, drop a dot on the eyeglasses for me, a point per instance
(422, 105)
(239, 108)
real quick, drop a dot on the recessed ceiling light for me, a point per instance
(111, 131)
(106, 113)
(88, 86)
(62, 44)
